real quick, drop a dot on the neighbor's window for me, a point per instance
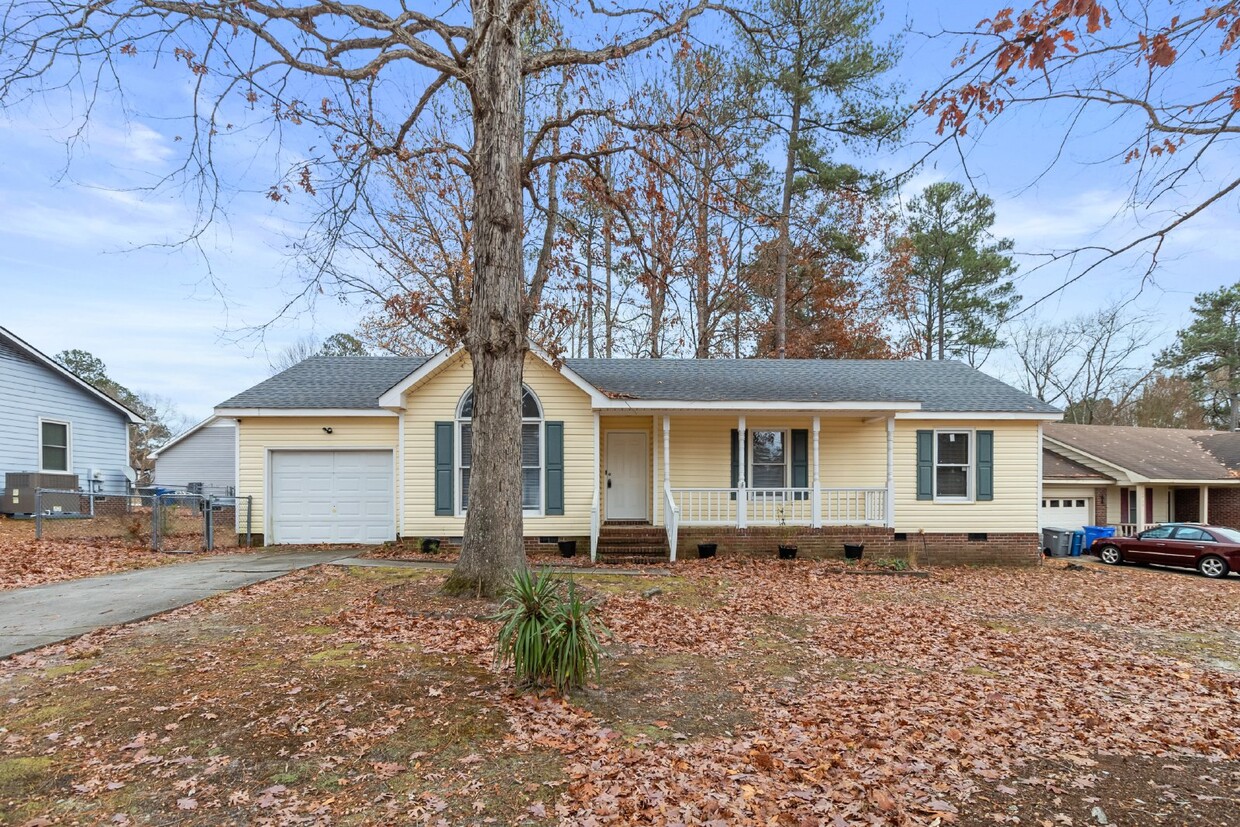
(54, 446)
(951, 465)
(768, 468)
(531, 450)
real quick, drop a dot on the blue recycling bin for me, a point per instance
(1096, 532)
(1078, 542)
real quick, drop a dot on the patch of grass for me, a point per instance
(343, 655)
(18, 775)
(71, 668)
(662, 696)
(318, 631)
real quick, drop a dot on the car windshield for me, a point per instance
(1228, 534)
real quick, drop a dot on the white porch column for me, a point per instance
(890, 516)
(596, 504)
(1203, 511)
(816, 511)
(1138, 519)
(667, 452)
(742, 518)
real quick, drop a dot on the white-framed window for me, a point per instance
(768, 459)
(953, 466)
(54, 445)
(532, 471)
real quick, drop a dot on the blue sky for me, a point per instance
(85, 261)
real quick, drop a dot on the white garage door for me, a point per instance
(332, 497)
(1067, 512)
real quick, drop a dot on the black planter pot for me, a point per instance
(568, 548)
(853, 551)
(430, 545)
(706, 550)
(787, 552)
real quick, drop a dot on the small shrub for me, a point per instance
(549, 638)
(893, 564)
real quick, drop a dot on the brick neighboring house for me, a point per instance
(1133, 478)
(907, 456)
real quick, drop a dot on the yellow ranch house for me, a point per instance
(931, 458)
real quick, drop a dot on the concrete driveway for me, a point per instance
(37, 616)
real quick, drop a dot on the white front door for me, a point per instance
(625, 475)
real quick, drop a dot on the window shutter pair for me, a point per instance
(445, 471)
(983, 461)
(798, 459)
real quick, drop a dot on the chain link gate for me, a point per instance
(172, 521)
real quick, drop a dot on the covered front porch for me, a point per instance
(759, 469)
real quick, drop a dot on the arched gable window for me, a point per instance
(531, 450)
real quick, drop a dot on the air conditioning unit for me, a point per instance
(20, 488)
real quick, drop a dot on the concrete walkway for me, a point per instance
(37, 616)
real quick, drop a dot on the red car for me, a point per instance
(1212, 550)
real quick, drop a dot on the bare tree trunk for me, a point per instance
(702, 351)
(609, 312)
(785, 237)
(942, 333)
(590, 297)
(496, 334)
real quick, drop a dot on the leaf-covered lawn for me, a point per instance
(741, 693)
(25, 561)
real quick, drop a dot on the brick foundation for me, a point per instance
(968, 549)
(828, 543)
(761, 541)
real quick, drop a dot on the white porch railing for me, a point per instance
(594, 527)
(671, 520)
(1129, 529)
(778, 506)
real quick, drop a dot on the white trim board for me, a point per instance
(239, 413)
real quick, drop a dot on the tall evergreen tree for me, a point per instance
(960, 275)
(823, 70)
(1208, 352)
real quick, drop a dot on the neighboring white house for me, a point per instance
(204, 458)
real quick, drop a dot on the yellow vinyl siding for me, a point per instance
(435, 400)
(1015, 506)
(258, 434)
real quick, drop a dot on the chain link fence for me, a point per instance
(163, 522)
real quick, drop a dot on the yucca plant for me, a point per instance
(525, 615)
(573, 642)
(550, 640)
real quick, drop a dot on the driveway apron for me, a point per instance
(37, 616)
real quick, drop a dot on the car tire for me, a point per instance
(1110, 555)
(1213, 567)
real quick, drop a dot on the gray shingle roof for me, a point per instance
(939, 386)
(359, 381)
(329, 382)
(1058, 467)
(1156, 453)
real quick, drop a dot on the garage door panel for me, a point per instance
(332, 496)
(1067, 512)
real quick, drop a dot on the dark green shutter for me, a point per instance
(443, 469)
(736, 460)
(800, 461)
(925, 465)
(985, 465)
(555, 468)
